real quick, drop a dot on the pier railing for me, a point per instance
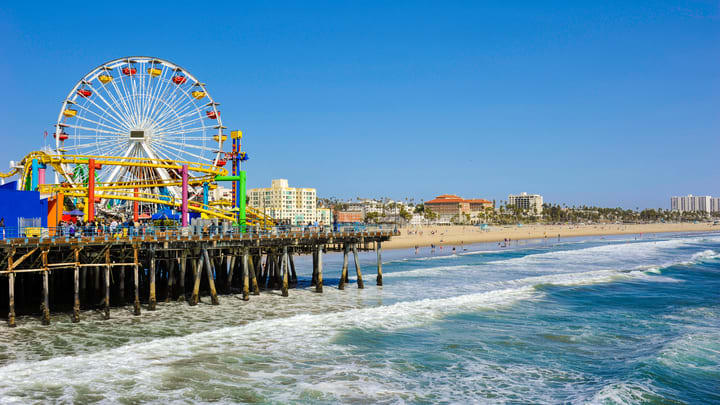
(173, 232)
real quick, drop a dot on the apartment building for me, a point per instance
(293, 205)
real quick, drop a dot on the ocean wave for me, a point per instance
(625, 393)
(695, 351)
(289, 334)
(703, 256)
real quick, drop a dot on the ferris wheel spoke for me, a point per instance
(182, 131)
(119, 97)
(95, 144)
(94, 129)
(97, 123)
(121, 116)
(187, 145)
(124, 95)
(178, 126)
(163, 85)
(110, 150)
(166, 96)
(185, 152)
(93, 112)
(177, 107)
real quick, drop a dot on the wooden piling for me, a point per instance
(11, 290)
(136, 302)
(210, 271)
(197, 269)
(121, 285)
(107, 285)
(313, 280)
(171, 278)
(284, 269)
(230, 262)
(253, 273)
(319, 278)
(11, 299)
(344, 272)
(152, 300)
(294, 279)
(46, 290)
(183, 266)
(357, 267)
(246, 276)
(378, 247)
(76, 288)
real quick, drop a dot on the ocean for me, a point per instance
(585, 320)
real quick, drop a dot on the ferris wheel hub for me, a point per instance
(139, 134)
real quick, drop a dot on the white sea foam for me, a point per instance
(624, 393)
(704, 256)
(287, 350)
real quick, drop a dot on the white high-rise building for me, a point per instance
(691, 202)
(298, 206)
(715, 204)
(525, 201)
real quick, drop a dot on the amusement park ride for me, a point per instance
(140, 135)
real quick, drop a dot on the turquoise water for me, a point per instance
(591, 320)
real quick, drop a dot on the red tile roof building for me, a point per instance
(449, 204)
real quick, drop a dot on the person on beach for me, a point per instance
(416, 249)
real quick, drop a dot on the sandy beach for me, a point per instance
(456, 235)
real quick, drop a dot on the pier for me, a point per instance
(66, 274)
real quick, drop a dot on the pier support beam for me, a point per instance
(152, 299)
(197, 269)
(378, 247)
(11, 291)
(246, 276)
(284, 269)
(183, 266)
(313, 280)
(357, 267)
(11, 299)
(230, 263)
(344, 272)
(121, 285)
(293, 280)
(319, 279)
(106, 314)
(76, 288)
(210, 271)
(254, 268)
(46, 290)
(171, 278)
(136, 302)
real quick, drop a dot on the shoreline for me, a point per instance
(456, 235)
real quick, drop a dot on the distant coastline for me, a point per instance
(456, 235)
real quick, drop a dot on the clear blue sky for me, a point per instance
(610, 102)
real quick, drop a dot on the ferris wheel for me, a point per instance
(140, 107)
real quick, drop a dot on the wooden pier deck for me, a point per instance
(68, 274)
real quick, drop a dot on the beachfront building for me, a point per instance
(296, 206)
(221, 194)
(691, 202)
(324, 216)
(450, 205)
(384, 207)
(715, 204)
(349, 216)
(527, 202)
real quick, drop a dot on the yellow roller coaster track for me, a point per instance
(208, 173)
